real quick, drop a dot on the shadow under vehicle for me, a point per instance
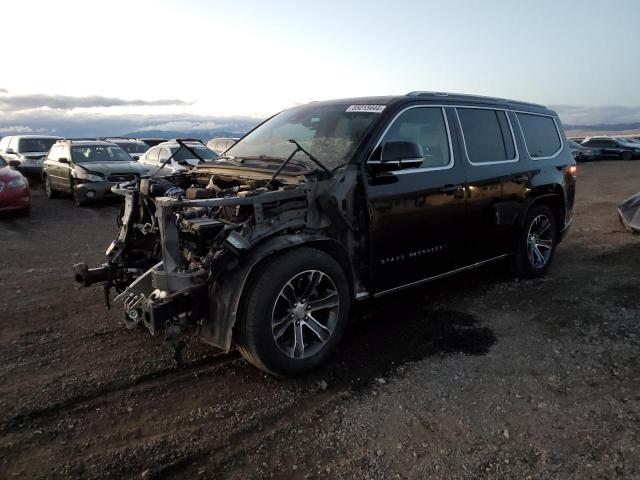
(324, 204)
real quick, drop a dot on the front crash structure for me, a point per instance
(188, 244)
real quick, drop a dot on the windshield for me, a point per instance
(133, 147)
(201, 150)
(26, 145)
(331, 133)
(99, 153)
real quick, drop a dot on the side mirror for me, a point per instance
(404, 154)
(14, 163)
(63, 160)
(135, 157)
(11, 151)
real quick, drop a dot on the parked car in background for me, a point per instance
(219, 145)
(612, 147)
(134, 147)
(182, 160)
(14, 189)
(375, 195)
(152, 142)
(28, 150)
(582, 153)
(87, 169)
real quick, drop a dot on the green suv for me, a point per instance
(87, 169)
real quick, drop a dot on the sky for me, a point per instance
(155, 63)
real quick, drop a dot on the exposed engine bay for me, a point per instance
(187, 243)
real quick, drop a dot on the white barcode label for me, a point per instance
(366, 108)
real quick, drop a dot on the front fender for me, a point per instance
(225, 293)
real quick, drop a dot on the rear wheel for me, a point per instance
(536, 243)
(295, 311)
(48, 188)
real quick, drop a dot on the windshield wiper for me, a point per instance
(290, 157)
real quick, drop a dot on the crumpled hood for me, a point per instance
(108, 168)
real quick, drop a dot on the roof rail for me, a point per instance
(72, 139)
(117, 138)
(419, 93)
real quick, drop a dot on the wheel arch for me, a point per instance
(227, 294)
(553, 197)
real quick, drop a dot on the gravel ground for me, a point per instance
(476, 376)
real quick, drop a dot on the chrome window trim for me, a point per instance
(513, 137)
(420, 169)
(524, 139)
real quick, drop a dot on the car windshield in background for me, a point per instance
(27, 145)
(133, 147)
(99, 153)
(204, 152)
(331, 133)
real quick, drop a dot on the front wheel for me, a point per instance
(295, 311)
(536, 243)
(80, 201)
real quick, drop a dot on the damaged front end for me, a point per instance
(188, 243)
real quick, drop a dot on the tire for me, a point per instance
(541, 223)
(271, 320)
(48, 188)
(79, 202)
(626, 156)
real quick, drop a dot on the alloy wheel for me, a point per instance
(305, 314)
(540, 241)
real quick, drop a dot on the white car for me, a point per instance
(220, 145)
(182, 160)
(28, 150)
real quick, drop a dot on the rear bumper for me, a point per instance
(15, 199)
(565, 230)
(34, 171)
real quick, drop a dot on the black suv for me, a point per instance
(323, 204)
(612, 147)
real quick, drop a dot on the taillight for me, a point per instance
(572, 169)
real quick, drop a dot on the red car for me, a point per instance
(14, 190)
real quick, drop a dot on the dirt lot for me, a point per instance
(477, 376)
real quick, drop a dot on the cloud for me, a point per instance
(86, 124)
(18, 103)
(184, 125)
(597, 115)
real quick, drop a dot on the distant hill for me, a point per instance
(611, 127)
(203, 135)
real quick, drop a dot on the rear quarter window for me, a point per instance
(540, 134)
(487, 135)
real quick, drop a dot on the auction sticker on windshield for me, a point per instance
(366, 108)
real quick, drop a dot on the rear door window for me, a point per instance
(540, 134)
(54, 153)
(487, 135)
(152, 155)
